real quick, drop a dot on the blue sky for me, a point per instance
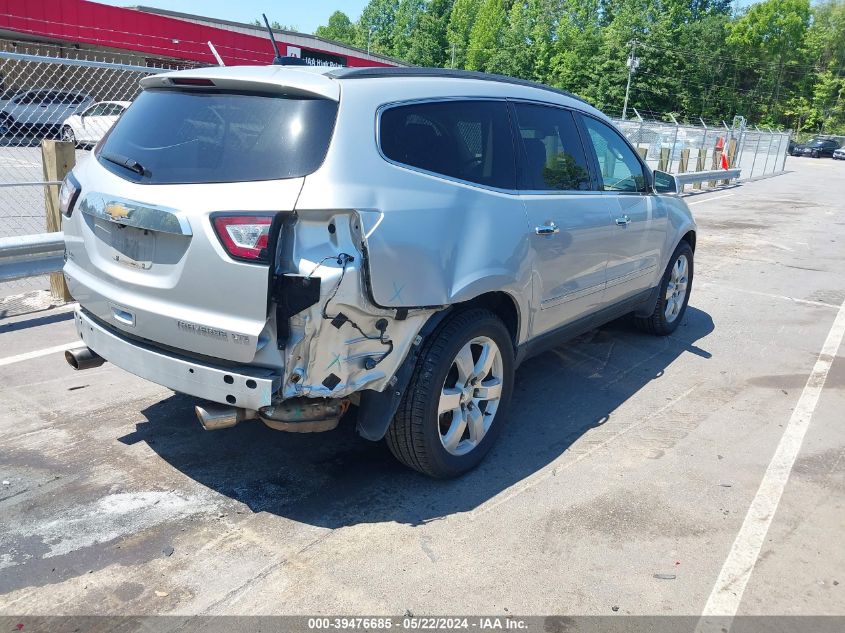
(306, 16)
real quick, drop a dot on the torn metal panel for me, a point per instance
(342, 343)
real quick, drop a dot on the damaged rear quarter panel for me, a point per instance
(331, 342)
(429, 241)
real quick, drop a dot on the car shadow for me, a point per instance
(337, 479)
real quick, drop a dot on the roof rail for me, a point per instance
(450, 73)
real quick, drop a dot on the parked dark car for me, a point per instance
(816, 148)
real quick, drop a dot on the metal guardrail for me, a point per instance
(692, 177)
(29, 255)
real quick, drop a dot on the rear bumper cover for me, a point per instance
(245, 387)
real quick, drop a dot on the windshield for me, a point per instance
(170, 136)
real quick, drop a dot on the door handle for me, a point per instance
(547, 229)
(623, 221)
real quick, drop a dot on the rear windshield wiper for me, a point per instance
(124, 161)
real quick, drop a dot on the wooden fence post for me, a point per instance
(642, 151)
(731, 157)
(682, 168)
(663, 163)
(717, 158)
(57, 159)
(699, 164)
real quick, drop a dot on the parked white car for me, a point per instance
(91, 124)
(41, 110)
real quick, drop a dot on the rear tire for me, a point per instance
(673, 296)
(453, 408)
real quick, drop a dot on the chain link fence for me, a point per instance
(687, 148)
(50, 92)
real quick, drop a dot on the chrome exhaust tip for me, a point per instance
(83, 358)
(214, 416)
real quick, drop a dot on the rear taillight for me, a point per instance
(244, 237)
(68, 194)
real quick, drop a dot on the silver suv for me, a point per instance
(286, 242)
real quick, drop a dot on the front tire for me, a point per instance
(453, 409)
(673, 295)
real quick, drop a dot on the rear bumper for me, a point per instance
(244, 387)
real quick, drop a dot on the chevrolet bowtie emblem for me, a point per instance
(117, 211)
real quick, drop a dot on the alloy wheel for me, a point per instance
(676, 289)
(470, 395)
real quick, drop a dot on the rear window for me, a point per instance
(172, 136)
(468, 140)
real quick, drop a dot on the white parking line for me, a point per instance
(727, 593)
(9, 360)
(820, 304)
(725, 195)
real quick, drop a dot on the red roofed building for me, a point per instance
(162, 35)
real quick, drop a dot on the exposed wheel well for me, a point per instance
(502, 305)
(689, 237)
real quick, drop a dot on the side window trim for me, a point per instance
(522, 158)
(593, 158)
(589, 152)
(511, 126)
(518, 150)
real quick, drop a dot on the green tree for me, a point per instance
(459, 29)
(487, 34)
(274, 25)
(430, 46)
(339, 28)
(405, 22)
(527, 43)
(376, 26)
(770, 35)
(778, 62)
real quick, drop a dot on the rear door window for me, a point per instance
(174, 136)
(554, 156)
(96, 110)
(469, 140)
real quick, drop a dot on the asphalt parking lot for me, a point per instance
(628, 480)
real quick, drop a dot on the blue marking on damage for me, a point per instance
(336, 361)
(397, 292)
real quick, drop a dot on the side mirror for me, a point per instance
(664, 183)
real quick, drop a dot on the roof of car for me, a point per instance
(325, 80)
(442, 73)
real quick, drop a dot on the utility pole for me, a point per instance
(369, 36)
(633, 63)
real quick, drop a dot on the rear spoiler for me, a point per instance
(283, 80)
